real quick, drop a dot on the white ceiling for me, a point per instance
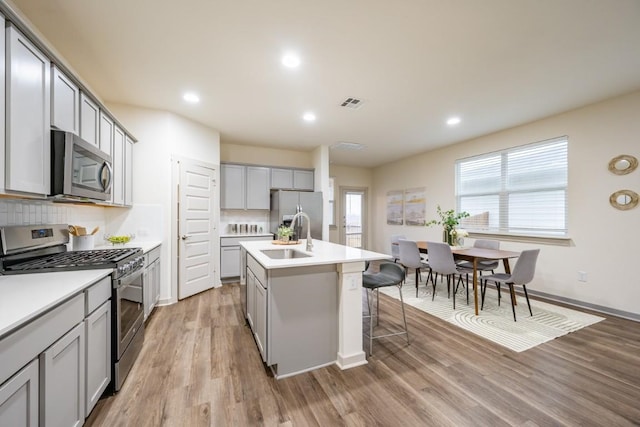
(495, 63)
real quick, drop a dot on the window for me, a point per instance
(519, 191)
(332, 205)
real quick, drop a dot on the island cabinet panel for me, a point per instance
(302, 318)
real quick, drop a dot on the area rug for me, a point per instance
(495, 322)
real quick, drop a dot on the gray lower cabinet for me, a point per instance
(260, 322)
(98, 333)
(56, 367)
(251, 298)
(229, 261)
(62, 373)
(151, 281)
(19, 398)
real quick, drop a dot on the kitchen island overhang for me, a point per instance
(306, 310)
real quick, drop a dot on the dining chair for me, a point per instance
(441, 262)
(410, 258)
(486, 265)
(390, 274)
(395, 248)
(523, 273)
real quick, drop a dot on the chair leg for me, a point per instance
(433, 293)
(404, 318)
(499, 296)
(527, 297)
(417, 280)
(454, 289)
(513, 300)
(378, 306)
(483, 289)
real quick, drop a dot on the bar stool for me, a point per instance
(390, 275)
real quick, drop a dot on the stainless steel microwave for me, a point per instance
(79, 169)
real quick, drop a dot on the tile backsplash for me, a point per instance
(259, 218)
(27, 212)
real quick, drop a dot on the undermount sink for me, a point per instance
(284, 253)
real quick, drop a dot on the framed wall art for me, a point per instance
(394, 207)
(415, 206)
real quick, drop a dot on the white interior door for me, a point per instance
(197, 229)
(353, 202)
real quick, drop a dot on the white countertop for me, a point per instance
(26, 296)
(323, 253)
(247, 235)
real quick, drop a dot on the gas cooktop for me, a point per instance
(99, 258)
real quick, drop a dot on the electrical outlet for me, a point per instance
(582, 276)
(353, 283)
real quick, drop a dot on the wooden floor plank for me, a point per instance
(200, 367)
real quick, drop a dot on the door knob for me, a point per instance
(184, 237)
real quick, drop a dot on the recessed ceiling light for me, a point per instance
(309, 117)
(291, 60)
(191, 98)
(453, 121)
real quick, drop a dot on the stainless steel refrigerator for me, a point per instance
(285, 204)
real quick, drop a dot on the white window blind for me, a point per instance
(519, 191)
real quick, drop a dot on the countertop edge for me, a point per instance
(23, 320)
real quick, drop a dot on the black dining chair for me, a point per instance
(390, 274)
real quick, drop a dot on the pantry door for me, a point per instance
(197, 228)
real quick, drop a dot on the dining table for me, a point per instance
(475, 255)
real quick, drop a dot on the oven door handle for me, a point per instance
(125, 281)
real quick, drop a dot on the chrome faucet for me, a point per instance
(293, 223)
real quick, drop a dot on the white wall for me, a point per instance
(161, 137)
(603, 240)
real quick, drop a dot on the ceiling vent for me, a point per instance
(347, 146)
(353, 103)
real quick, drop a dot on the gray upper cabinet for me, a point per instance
(302, 180)
(232, 194)
(28, 118)
(65, 102)
(292, 179)
(117, 186)
(257, 188)
(128, 171)
(244, 187)
(89, 120)
(281, 178)
(106, 133)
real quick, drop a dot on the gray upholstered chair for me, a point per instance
(441, 262)
(410, 258)
(395, 247)
(523, 273)
(390, 274)
(487, 265)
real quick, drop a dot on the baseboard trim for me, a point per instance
(581, 304)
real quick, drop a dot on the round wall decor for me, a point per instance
(623, 164)
(624, 200)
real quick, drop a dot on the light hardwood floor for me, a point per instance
(200, 367)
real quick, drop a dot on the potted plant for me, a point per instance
(450, 220)
(284, 233)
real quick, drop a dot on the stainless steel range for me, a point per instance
(43, 248)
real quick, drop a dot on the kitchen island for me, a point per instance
(305, 307)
